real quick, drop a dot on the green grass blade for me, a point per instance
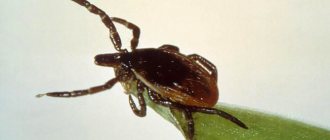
(261, 125)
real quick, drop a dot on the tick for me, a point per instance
(187, 83)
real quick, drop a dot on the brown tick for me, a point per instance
(184, 82)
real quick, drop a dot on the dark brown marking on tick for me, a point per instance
(158, 66)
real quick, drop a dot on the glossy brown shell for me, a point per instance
(174, 76)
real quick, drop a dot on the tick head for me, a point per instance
(109, 60)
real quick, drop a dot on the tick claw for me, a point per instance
(40, 95)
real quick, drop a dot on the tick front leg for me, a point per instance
(83, 92)
(135, 29)
(114, 36)
(205, 63)
(143, 108)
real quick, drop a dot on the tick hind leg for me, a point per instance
(188, 110)
(135, 29)
(143, 109)
(154, 97)
(190, 123)
(114, 36)
(219, 113)
(83, 92)
(206, 64)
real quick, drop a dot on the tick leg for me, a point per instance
(190, 123)
(77, 93)
(158, 100)
(186, 110)
(135, 29)
(114, 36)
(205, 63)
(169, 48)
(220, 113)
(142, 111)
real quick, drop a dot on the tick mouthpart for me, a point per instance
(109, 60)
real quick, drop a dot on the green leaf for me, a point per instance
(261, 125)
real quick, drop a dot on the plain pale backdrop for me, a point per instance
(272, 56)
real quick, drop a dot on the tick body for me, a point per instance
(172, 75)
(184, 82)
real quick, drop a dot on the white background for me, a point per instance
(271, 56)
